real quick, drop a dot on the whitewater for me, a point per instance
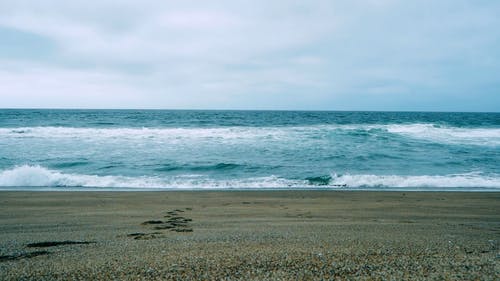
(151, 150)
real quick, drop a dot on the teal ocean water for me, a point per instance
(154, 149)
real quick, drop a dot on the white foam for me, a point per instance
(37, 176)
(33, 176)
(432, 132)
(140, 133)
(469, 180)
(428, 132)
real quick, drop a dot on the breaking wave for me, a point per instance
(36, 176)
(443, 134)
(423, 131)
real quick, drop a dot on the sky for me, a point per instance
(408, 55)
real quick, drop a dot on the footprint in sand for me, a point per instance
(174, 222)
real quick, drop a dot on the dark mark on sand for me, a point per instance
(23, 256)
(144, 236)
(152, 222)
(56, 243)
(174, 223)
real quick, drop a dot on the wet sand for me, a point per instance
(249, 235)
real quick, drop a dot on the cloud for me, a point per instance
(34, 85)
(251, 54)
(178, 31)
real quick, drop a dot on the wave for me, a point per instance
(216, 167)
(467, 180)
(37, 176)
(443, 134)
(422, 131)
(71, 164)
(142, 133)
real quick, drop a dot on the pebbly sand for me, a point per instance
(249, 235)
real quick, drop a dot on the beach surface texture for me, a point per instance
(249, 235)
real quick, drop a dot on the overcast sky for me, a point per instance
(310, 55)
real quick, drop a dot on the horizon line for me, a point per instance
(268, 110)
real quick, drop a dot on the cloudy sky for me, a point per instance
(310, 55)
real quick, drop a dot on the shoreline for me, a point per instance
(254, 189)
(249, 235)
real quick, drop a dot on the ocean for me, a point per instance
(193, 149)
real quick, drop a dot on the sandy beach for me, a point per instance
(249, 235)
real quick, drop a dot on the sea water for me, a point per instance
(176, 149)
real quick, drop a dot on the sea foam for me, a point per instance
(422, 131)
(37, 176)
(469, 180)
(444, 134)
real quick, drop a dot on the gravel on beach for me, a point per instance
(285, 235)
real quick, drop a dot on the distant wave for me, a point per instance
(37, 176)
(432, 132)
(170, 134)
(421, 131)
